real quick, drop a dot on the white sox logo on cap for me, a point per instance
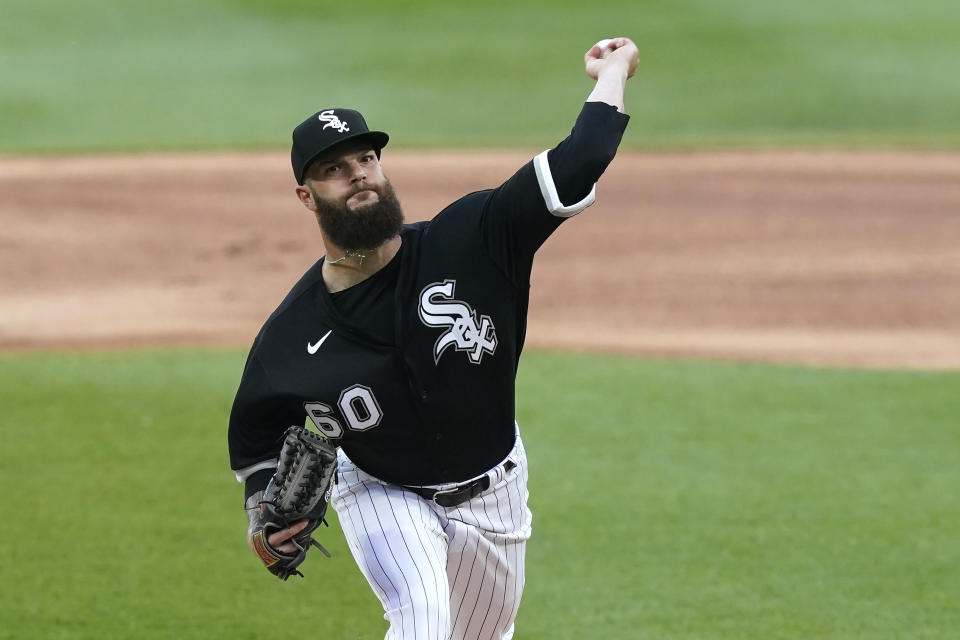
(332, 120)
(438, 308)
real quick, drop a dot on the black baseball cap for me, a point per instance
(325, 129)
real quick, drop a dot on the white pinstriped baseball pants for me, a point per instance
(440, 573)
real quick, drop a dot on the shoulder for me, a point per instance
(466, 203)
(463, 213)
(308, 282)
(302, 290)
(414, 229)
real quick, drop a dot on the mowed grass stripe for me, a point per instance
(227, 74)
(670, 499)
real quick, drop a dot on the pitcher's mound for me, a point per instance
(820, 258)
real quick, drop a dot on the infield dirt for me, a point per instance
(823, 258)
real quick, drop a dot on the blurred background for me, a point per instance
(227, 74)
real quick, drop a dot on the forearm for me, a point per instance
(610, 87)
(579, 161)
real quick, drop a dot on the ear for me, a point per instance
(306, 198)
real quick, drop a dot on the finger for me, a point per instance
(612, 44)
(277, 539)
(286, 534)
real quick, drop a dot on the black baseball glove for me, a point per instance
(298, 491)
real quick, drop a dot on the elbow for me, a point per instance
(596, 163)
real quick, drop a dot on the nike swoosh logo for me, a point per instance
(312, 348)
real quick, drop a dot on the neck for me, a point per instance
(343, 269)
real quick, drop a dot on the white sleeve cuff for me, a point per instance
(549, 190)
(246, 472)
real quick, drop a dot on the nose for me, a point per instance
(358, 172)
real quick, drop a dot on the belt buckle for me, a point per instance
(447, 492)
(470, 490)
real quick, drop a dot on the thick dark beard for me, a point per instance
(364, 228)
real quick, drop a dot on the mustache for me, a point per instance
(364, 187)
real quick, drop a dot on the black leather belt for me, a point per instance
(459, 494)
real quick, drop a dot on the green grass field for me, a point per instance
(671, 500)
(211, 74)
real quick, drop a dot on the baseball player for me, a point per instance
(401, 346)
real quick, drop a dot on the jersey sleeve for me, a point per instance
(557, 184)
(258, 420)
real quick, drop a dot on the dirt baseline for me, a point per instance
(822, 258)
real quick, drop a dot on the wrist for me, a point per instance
(252, 507)
(257, 482)
(614, 71)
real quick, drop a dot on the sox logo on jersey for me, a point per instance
(438, 308)
(332, 121)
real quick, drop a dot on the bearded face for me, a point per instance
(364, 226)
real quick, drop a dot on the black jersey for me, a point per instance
(425, 396)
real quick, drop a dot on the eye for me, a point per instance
(331, 170)
(367, 158)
